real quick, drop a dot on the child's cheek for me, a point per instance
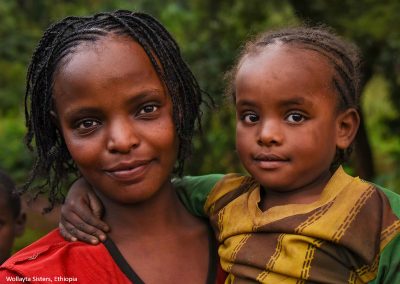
(244, 142)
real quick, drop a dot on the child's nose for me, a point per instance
(270, 134)
(122, 137)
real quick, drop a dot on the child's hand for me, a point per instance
(80, 215)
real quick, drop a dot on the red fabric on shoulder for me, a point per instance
(52, 259)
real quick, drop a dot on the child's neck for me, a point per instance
(305, 194)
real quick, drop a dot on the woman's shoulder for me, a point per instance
(52, 256)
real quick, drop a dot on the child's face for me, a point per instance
(116, 119)
(287, 118)
(10, 228)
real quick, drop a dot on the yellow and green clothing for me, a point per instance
(350, 235)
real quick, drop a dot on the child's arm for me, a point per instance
(389, 264)
(389, 260)
(193, 191)
(81, 215)
(82, 210)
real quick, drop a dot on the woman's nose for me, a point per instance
(122, 136)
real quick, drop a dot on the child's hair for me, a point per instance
(340, 54)
(8, 190)
(59, 41)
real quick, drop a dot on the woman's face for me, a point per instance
(116, 119)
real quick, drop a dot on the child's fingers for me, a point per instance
(71, 209)
(78, 234)
(65, 234)
(93, 221)
(95, 205)
(91, 230)
(74, 224)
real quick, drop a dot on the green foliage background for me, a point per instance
(210, 34)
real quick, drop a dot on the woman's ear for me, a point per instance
(54, 118)
(347, 125)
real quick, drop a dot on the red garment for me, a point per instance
(52, 257)
(54, 260)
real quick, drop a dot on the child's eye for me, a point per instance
(250, 118)
(148, 109)
(295, 118)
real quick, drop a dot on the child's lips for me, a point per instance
(270, 161)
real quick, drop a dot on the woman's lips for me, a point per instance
(129, 172)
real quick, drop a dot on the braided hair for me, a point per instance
(54, 162)
(341, 55)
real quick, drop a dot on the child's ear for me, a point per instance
(348, 122)
(20, 225)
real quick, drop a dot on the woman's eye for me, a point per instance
(87, 124)
(296, 117)
(148, 109)
(250, 118)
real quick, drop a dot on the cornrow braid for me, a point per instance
(341, 55)
(54, 162)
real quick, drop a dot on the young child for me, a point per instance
(110, 96)
(299, 218)
(12, 218)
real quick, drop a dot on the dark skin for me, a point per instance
(288, 124)
(145, 213)
(305, 111)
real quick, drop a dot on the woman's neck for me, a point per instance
(160, 235)
(157, 216)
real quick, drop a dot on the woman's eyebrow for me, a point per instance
(145, 94)
(81, 112)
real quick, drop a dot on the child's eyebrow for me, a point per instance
(247, 103)
(295, 101)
